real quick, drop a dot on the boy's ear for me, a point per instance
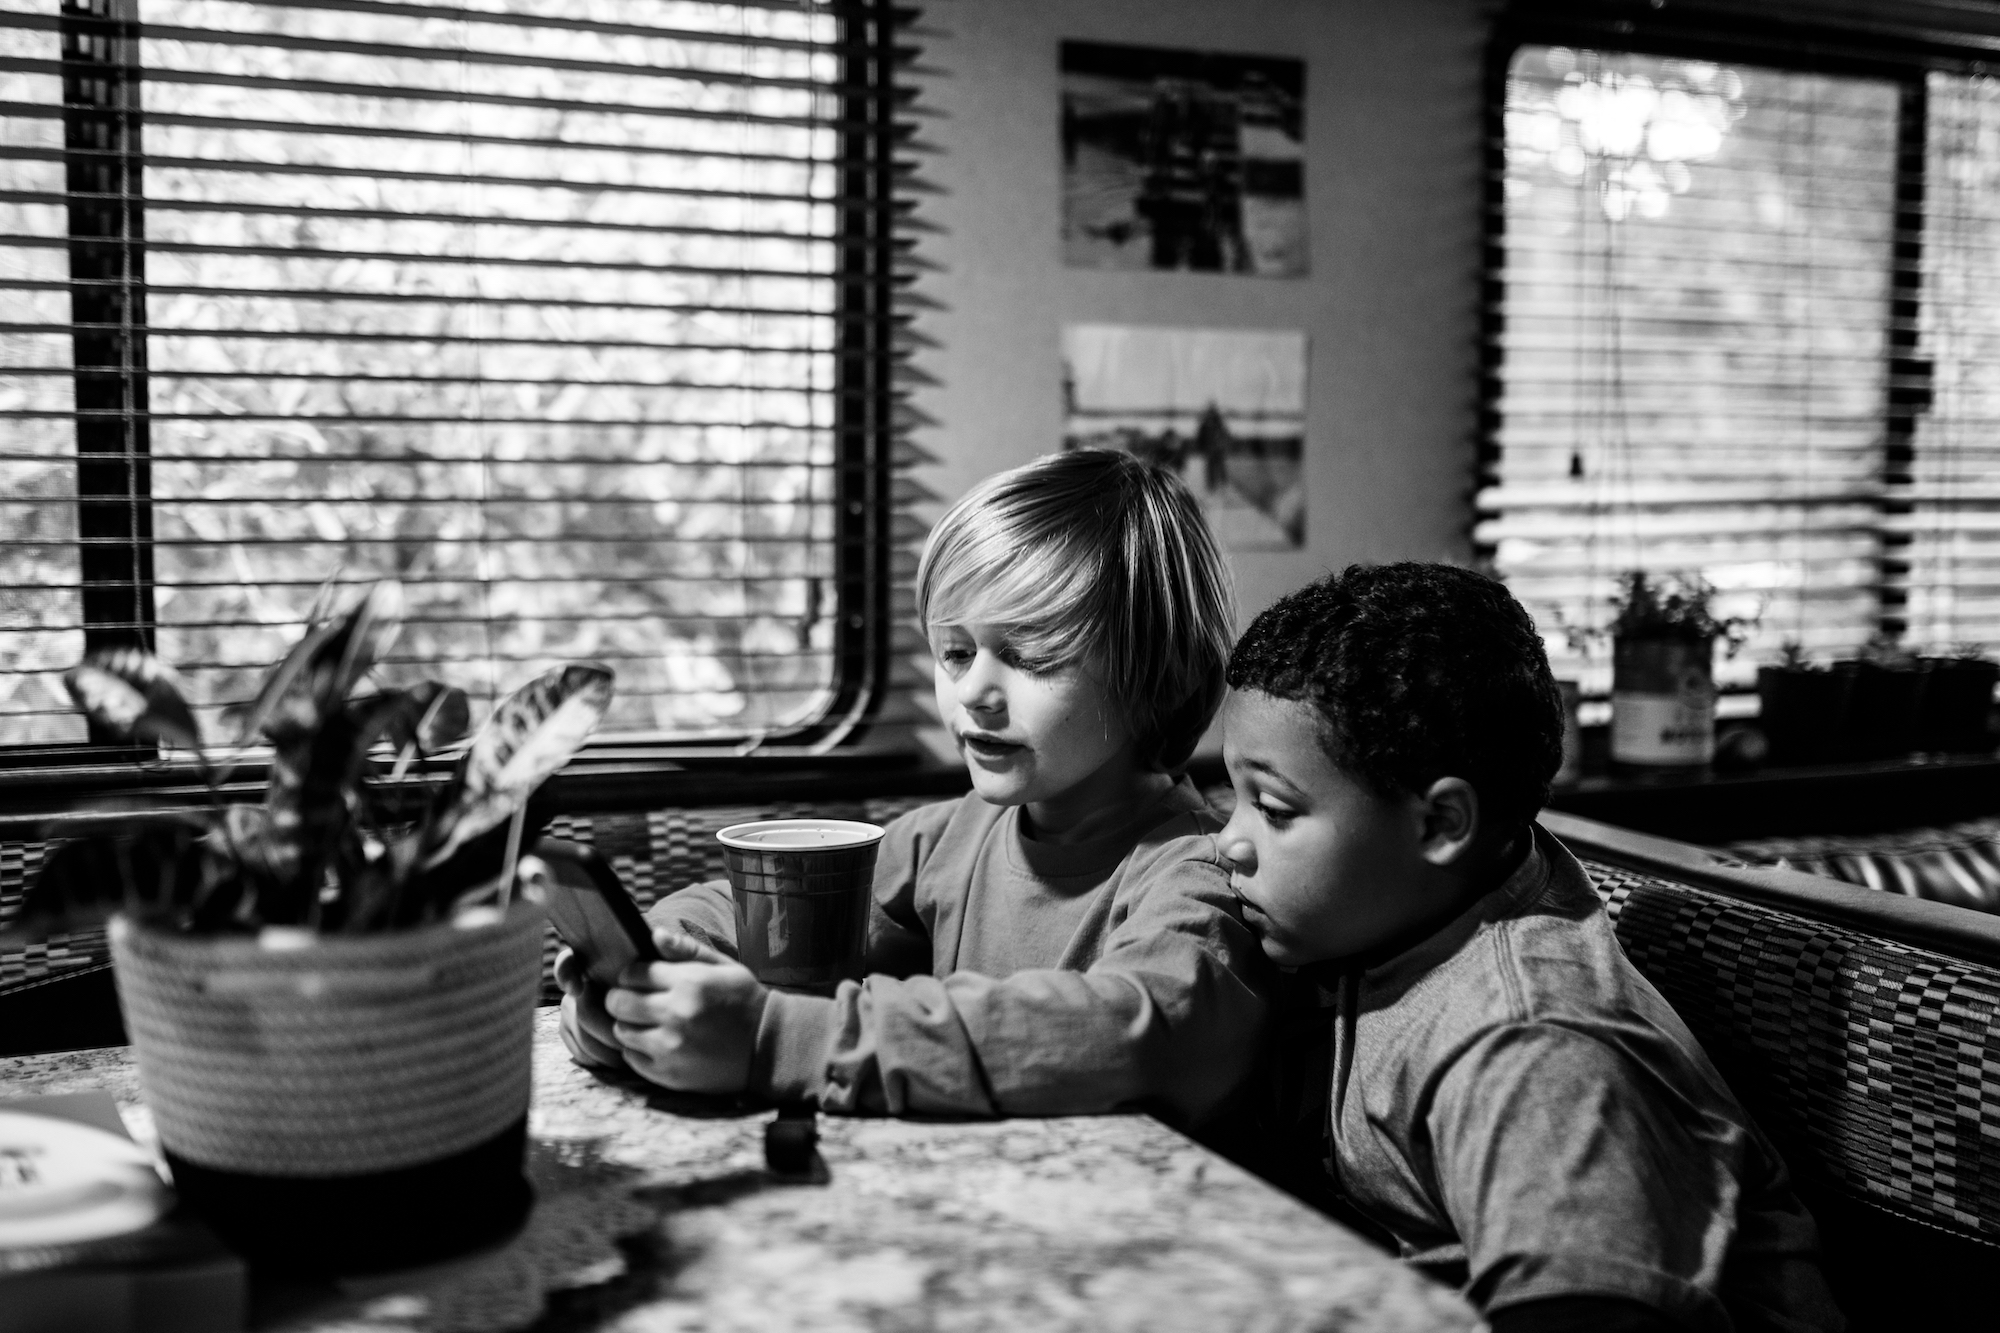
(1451, 821)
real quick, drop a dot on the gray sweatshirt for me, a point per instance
(1523, 1112)
(1016, 977)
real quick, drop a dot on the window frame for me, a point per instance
(1804, 39)
(100, 39)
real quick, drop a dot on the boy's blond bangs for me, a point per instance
(978, 573)
(1093, 556)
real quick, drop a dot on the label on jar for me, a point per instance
(1662, 728)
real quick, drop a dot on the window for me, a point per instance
(574, 317)
(1745, 322)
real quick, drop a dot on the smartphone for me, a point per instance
(591, 910)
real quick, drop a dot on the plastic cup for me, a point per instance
(802, 889)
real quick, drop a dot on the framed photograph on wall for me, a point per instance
(1183, 160)
(1224, 408)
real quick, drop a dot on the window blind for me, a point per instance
(1694, 360)
(1950, 526)
(577, 318)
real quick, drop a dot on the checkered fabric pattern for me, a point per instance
(60, 954)
(1875, 1065)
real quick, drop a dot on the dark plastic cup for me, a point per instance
(802, 889)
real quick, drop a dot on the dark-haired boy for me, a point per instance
(1500, 1090)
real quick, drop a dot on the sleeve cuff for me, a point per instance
(1554, 1276)
(789, 1063)
(702, 910)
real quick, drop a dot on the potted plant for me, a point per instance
(330, 992)
(1883, 702)
(1802, 707)
(1663, 637)
(1954, 715)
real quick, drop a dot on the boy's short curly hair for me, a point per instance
(1421, 671)
(1094, 556)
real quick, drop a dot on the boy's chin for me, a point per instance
(1277, 950)
(1287, 953)
(998, 788)
(1282, 955)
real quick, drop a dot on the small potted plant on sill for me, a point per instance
(330, 993)
(1954, 715)
(1884, 700)
(1663, 636)
(1802, 707)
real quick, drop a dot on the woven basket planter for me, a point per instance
(340, 1104)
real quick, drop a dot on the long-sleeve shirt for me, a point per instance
(1525, 1117)
(1009, 976)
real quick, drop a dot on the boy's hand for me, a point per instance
(586, 1029)
(689, 1023)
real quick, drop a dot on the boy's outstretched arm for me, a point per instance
(705, 914)
(707, 911)
(1168, 1017)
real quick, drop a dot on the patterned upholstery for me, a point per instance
(1874, 1065)
(60, 954)
(1958, 863)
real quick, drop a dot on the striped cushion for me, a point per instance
(1958, 863)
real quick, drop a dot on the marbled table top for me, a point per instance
(652, 1215)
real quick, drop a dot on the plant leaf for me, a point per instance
(316, 675)
(532, 733)
(131, 693)
(388, 718)
(309, 814)
(370, 628)
(338, 661)
(325, 596)
(278, 684)
(431, 893)
(425, 717)
(106, 698)
(446, 721)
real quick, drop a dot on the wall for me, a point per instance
(1393, 193)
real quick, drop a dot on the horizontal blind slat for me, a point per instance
(470, 138)
(171, 77)
(167, 208)
(327, 171)
(539, 20)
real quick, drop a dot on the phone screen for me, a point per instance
(591, 910)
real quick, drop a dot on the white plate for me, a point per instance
(62, 1182)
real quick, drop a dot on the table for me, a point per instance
(655, 1213)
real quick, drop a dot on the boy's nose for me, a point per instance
(985, 705)
(979, 690)
(1235, 845)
